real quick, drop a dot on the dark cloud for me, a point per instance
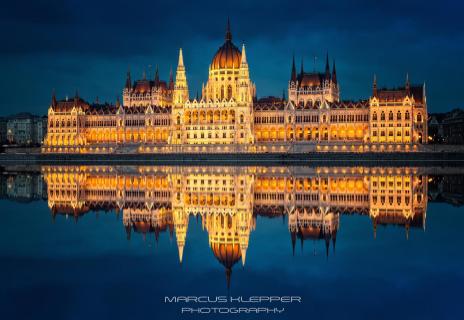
(90, 44)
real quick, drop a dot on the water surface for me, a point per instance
(112, 242)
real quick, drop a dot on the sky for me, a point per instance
(89, 45)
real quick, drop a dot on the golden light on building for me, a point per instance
(158, 116)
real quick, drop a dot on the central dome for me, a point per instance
(228, 55)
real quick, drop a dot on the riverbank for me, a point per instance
(314, 159)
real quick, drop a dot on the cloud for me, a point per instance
(54, 37)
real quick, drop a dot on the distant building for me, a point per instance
(26, 129)
(3, 126)
(447, 128)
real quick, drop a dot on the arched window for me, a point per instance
(390, 116)
(178, 119)
(382, 116)
(406, 116)
(241, 118)
(222, 92)
(419, 117)
(229, 92)
(374, 116)
(398, 116)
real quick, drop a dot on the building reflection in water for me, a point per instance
(227, 200)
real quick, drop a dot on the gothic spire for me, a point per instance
(327, 67)
(53, 98)
(374, 86)
(228, 33)
(293, 75)
(244, 59)
(128, 80)
(408, 85)
(171, 80)
(334, 73)
(243, 253)
(181, 59)
(293, 237)
(327, 245)
(181, 253)
(76, 96)
(334, 240)
(156, 76)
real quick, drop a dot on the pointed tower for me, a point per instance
(302, 68)
(180, 227)
(157, 77)
(76, 97)
(228, 33)
(244, 229)
(171, 80)
(128, 80)
(293, 74)
(327, 67)
(245, 95)
(126, 92)
(408, 85)
(334, 73)
(293, 83)
(181, 94)
(374, 86)
(54, 103)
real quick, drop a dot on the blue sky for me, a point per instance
(89, 45)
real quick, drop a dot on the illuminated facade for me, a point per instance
(159, 116)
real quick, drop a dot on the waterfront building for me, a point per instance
(447, 128)
(26, 129)
(3, 130)
(159, 116)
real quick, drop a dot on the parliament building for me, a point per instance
(159, 116)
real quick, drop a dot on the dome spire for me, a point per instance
(228, 33)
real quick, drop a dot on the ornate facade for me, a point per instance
(158, 116)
